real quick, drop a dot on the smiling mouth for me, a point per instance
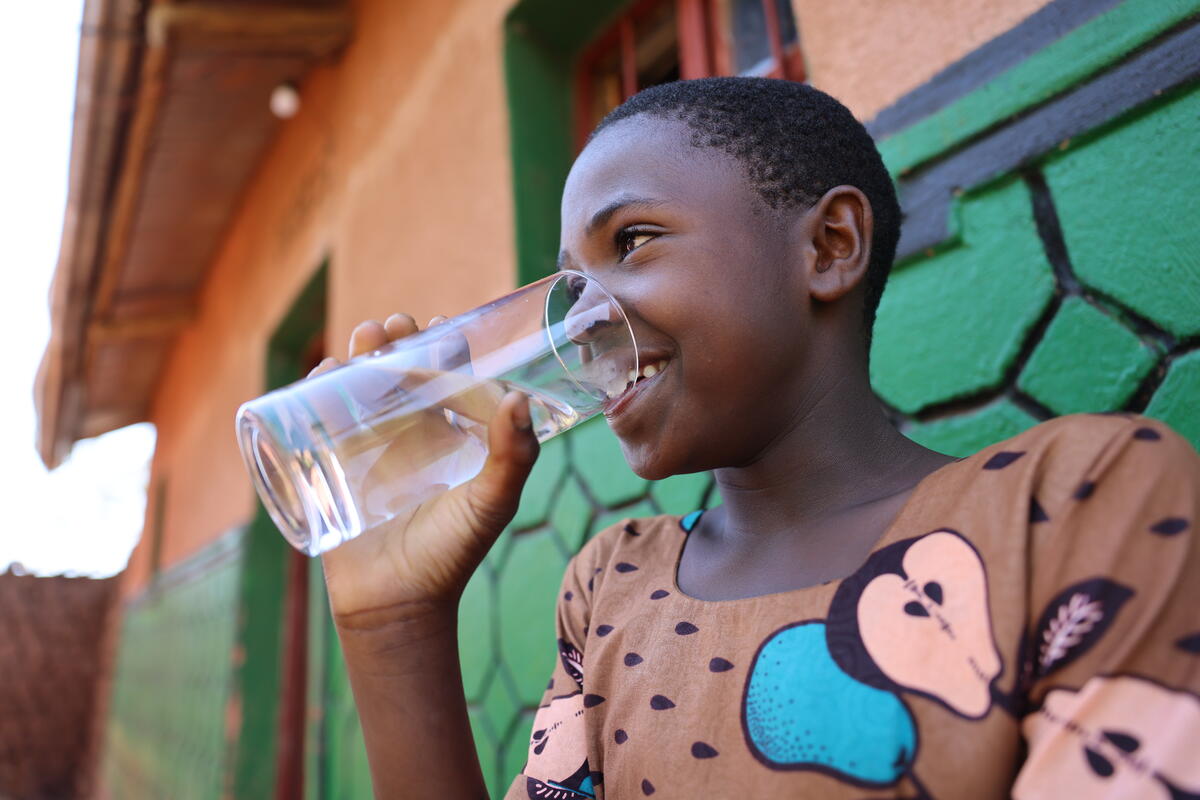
(633, 387)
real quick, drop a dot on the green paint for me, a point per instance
(951, 325)
(570, 515)
(1075, 57)
(475, 627)
(681, 494)
(528, 589)
(1086, 361)
(1140, 180)
(172, 681)
(542, 38)
(264, 581)
(964, 434)
(486, 746)
(539, 489)
(500, 704)
(321, 638)
(1177, 401)
(597, 458)
(516, 751)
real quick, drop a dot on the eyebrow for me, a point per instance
(601, 217)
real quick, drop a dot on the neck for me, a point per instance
(839, 452)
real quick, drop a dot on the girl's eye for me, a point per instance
(630, 239)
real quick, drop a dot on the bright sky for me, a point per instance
(85, 517)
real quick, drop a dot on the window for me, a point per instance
(657, 41)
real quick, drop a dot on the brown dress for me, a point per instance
(1028, 626)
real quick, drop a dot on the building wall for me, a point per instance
(397, 170)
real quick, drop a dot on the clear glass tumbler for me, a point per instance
(339, 453)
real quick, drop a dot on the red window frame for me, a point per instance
(704, 50)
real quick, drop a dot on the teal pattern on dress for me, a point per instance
(801, 711)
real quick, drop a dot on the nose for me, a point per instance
(592, 313)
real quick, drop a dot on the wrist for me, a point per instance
(398, 635)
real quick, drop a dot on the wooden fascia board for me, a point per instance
(109, 48)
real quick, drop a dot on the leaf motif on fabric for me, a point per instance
(1075, 620)
(572, 660)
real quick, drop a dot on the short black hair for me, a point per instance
(794, 142)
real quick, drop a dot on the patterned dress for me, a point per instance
(1028, 627)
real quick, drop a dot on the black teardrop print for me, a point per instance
(1122, 741)
(632, 531)
(685, 629)
(1084, 490)
(647, 787)
(620, 737)
(625, 566)
(719, 665)
(915, 609)
(1036, 512)
(591, 584)
(568, 596)
(660, 703)
(632, 659)
(933, 590)
(592, 700)
(659, 594)
(1190, 643)
(702, 750)
(1099, 764)
(604, 630)
(1147, 434)
(1170, 526)
(539, 747)
(1002, 459)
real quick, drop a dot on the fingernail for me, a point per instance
(521, 419)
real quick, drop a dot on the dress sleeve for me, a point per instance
(1111, 669)
(557, 758)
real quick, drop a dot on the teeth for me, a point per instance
(650, 370)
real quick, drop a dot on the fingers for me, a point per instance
(367, 336)
(512, 449)
(397, 326)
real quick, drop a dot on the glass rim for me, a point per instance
(554, 279)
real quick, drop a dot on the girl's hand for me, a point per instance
(419, 562)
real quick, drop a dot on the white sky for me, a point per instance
(85, 517)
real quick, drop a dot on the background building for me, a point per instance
(1045, 157)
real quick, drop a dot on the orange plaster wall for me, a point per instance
(397, 170)
(869, 53)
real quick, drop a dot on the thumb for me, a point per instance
(512, 449)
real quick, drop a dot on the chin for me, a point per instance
(651, 463)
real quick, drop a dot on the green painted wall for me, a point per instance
(169, 717)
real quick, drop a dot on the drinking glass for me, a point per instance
(344, 451)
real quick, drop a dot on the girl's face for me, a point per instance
(713, 283)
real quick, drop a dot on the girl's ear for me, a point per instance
(840, 227)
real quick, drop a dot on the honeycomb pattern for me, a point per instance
(168, 714)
